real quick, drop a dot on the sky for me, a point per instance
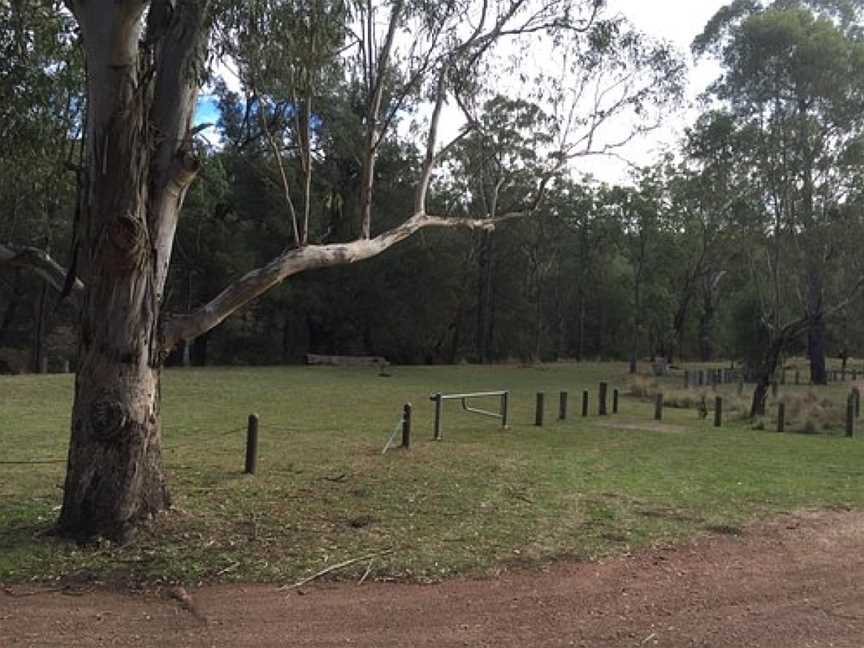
(678, 21)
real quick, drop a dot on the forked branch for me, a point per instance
(255, 283)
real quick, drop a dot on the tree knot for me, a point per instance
(108, 417)
(128, 242)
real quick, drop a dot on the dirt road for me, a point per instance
(793, 583)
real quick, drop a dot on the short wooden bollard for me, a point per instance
(857, 394)
(251, 444)
(615, 401)
(797, 377)
(439, 413)
(585, 403)
(538, 414)
(505, 409)
(658, 407)
(718, 411)
(850, 415)
(562, 406)
(686, 379)
(406, 426)
(781, 417)
(601, 398)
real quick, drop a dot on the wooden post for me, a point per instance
(774, 389)
(797, 377)
(701, 377)
(615, 401)
(601, 399)
(505, 409)
(686, 379)
(406, 426)
(439, 412)
(781, 417)
(850, 415)
(252, 444)
(562, 406)
(718, 411)
(538, 415)
(658, 407)
(857, 393)
(585, 403)
(843, 374)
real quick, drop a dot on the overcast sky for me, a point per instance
(678, 21)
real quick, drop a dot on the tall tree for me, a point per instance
(145, 62)
(794, 73)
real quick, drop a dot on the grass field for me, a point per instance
(484, 499)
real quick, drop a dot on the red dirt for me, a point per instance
(793, 583)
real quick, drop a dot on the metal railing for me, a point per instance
(503, 411)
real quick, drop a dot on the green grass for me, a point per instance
(481, 500)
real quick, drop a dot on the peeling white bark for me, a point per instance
(258, 281)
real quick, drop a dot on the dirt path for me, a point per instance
(796, 582)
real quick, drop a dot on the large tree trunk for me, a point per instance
(137, 171)
(114, 479)
(764, 375)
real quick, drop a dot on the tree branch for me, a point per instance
(42, 264)
(255, 283)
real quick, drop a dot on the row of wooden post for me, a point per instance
(712, 377)
(563, 399)
(853, 411)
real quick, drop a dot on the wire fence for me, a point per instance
(198, 440)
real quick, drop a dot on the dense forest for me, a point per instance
(743, 240)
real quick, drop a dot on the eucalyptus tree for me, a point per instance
(145, 62)
(793, 75)
(707, 191)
